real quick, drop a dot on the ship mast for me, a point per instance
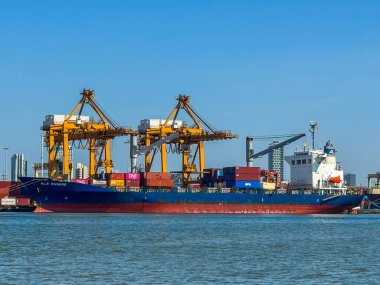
(312, 129)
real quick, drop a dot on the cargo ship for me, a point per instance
(231, 190)
(74, 197)
(228, 190)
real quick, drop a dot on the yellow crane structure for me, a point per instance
(95, 134)
(187, 136)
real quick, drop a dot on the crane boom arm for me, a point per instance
(281, 144)
(156, 144)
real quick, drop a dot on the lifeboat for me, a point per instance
(335, 179)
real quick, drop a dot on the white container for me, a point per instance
(59, 119)
(156, 123)
(8, 201)
(98, 182)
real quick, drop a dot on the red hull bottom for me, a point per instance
(193, 209)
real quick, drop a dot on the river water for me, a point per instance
(188, 249)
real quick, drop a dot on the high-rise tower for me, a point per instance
(18, 166)
(276, 160)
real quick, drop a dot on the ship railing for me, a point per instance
(332, 191)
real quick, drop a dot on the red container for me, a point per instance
(23, 201)
(132, 176)
(115, 176)
(242, 177)
(194, 186)
(132, 183)
(158, 182)
(82, 181)
(241, 170)
(247, 170)
(156, 175)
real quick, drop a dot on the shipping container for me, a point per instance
(132, 183)
(59, 119)
(269, 185)
(81, 181)
(132, 176)
(23, 201)
(155, 175)
(98, 182)
(244, 176)
(158, 183)
(243, 184)
(218, 173)
(194, 186)
(115, 176)
(241, 170)
(8, 201)
(115, 183)
(146, 124)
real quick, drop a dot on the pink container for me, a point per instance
(132, 176)
(78, 180)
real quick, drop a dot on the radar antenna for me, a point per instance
(312, 129)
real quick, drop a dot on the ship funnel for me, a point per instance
(329, 149)
(249, 151)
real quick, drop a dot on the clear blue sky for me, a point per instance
(253, 67)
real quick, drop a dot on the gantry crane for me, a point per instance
(186, 136)
(96, 134)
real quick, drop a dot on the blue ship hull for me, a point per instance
(70, 197)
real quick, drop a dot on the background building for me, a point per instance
(81, 171)
(18, 166)
(350, 179)
(276, 160)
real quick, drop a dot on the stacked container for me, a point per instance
(132, 179)
(156, 179)
(212, 176)
(242, 177)
(115, 179)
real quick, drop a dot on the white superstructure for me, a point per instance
(316, 169)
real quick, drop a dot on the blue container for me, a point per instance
(250, 184)
(228, 170)
(206, 180)
(218, 173)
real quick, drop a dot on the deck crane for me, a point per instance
(249, 143)
(197, 134)
(74, 128)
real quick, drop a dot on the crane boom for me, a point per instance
(156, 144)
(281, 144)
